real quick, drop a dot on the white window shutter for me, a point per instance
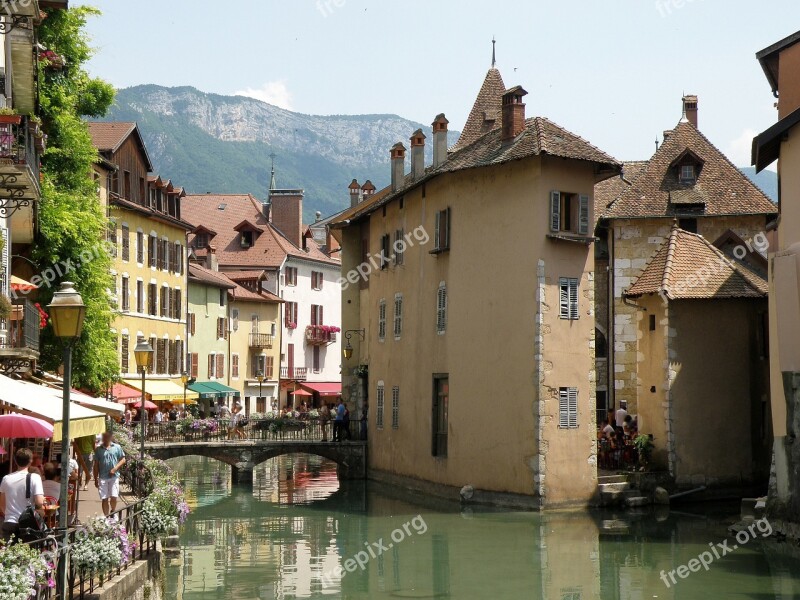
(583, 220)
(572, 395)
(555, 211)
(564, 298)
(573, 299)
(563, 408)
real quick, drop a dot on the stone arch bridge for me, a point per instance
(244, 455)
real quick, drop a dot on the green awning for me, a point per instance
(210, 390)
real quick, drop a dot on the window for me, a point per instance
(235, 366)
(126, 243)
(687, 174)
(127, 180)
(689, 225)
(192, 323)
(316, 280)
(382, 320)
(179, 356)
(223, 296)
(152, 298)
(291, 276)
(291, 314)
(316, 314)
(177, 304)
(195, 370)
(568, 408)
(399, 246)
(165, 297)
(200, 240)
(386, 251)
(652, 322)
(270, 367)
(140, 247)
(247, 239)
(152, 251)
(259, 366)
(220, 366)
(315, 359)
(125, 366)
(154, 363)
(161, 356)
(441, 232)
(212, 366)
(235, 320)
(569, 213)
(126, 297)
(140, 297)
(568, 298)
(222, 328)
(600, 344)
(164, 256)
(112, 237)
(398, 316)
(441, 399)
(395, 407)
(379, 407)
(441, 308)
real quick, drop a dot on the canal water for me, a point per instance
(299, 533)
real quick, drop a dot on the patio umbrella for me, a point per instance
(20, 285)
(120, 391)
(137, 403)
(16, 426)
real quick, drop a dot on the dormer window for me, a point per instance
(247, 239)
(686, 167)
(201, 240)
(688, 174)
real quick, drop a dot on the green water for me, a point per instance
(285, 537)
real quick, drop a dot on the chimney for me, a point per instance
(355, 193)
(667, 133)
(367, 190)
(212, 264)
(690, 109)
(417, 154)
(287, 214)
(513, 113)
(398, 157)
(439, 140)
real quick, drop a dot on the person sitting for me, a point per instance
(52, 481)
(628, 426)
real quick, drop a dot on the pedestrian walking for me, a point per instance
(18, 491)
(338, 422)
(109, 458)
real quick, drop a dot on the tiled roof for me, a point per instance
(244, 275)
(687, 266)
(269, 249)
(485, 114)
(540, 136)
(107, 137)
(210, 277)
(653, 192)
(243, 294)
(606, 191)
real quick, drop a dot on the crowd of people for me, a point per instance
(615, 437)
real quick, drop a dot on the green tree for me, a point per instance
(72, 221)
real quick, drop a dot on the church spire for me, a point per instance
(272, 184)
(494, 54)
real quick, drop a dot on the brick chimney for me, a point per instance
(355, 193)
(513, 113)
(212, 264)
(690, 109)
(417, 154)
(439, 140)
(368, 190)
(287, 214)
(398, 158)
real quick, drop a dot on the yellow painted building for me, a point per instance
(149, 241)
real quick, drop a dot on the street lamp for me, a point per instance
(185, 380)
(67, 312)
(260, 379)
(348, 349)
(144, 357)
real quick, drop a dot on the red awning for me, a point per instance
(302, 393)
(120, 391)
(324, 389)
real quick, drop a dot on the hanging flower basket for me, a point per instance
(10, 119)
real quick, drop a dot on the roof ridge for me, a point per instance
(731, 263)
(671, 247)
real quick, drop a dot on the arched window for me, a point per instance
(600, 344)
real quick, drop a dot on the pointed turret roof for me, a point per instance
(485, 114)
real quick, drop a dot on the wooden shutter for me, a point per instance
(270, 367)
(573, 299)
(235, 366)
(151, 251)
(437, 245)
(563, 408)
(220, 366)
(178, 305)
(320, 316)
(572, 398)
(286, 315)
(555, 211)
(441, 309)
(563, 300)
(195, 366)
(444, 236)
(382, 319)
(314, 314)
(126, 243)
(125, 354)
(210, 366)
(583, 218)
(164, 302)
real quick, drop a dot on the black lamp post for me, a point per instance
(260, 379)
(144, 357)
(67, 312)
(185, 380)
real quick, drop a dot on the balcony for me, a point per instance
(295, 373)
(261, 341)
(19, 163)
(19, 342)
(321, 335)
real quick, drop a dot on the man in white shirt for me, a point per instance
(621, 413)
(12, 494)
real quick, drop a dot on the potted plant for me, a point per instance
(9, 116)
(361, 371)
(644, 448)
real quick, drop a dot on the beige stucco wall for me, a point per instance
(788, 68)
(633, 243)
(497, 440)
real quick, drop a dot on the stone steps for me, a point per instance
(619, 492)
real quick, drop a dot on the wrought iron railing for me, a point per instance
(18, 145)
(23, 327)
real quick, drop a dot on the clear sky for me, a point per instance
(612, 71)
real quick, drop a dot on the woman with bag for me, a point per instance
(22, 499)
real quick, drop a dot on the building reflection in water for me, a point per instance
(285, 538)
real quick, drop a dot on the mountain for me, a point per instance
(767, 181)
(222, 144)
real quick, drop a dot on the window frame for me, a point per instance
(380, 400)
(441, 309)
(568, 408)
(440, 415)
(396, 407)
(569, 298)
(397, 328)
(382, 320)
